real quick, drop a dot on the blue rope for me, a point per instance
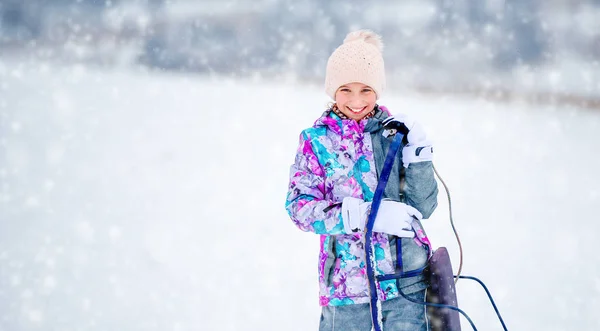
(411, 273)
(489, 296)
(453, 307)
(438, 305)
(383, 178)
(399, 264)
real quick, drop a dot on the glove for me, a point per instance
(392, 217)
(417, 153)
(396, 218)
(354, 214)
(412, 130)
(416, 146)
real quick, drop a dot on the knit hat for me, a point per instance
(358, 59)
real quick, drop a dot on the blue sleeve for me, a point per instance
(420, 187)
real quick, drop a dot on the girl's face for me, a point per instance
(355, 100)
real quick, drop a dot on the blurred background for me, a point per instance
(145, 147)
(493, 47)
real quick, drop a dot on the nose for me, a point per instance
(356, 100)
(357, 103)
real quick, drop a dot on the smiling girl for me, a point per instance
(332, 184)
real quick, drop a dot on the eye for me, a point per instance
(366, 90)
(345, 89)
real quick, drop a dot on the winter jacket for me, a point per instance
(338, 158)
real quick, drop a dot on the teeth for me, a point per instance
(356, 110)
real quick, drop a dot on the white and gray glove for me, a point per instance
(392, 217)
(417, 148)
(396, 218)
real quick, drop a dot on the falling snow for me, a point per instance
(145, 148)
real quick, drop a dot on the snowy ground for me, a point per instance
(139, 201)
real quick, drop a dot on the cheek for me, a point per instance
(340, 99)
(372, 99)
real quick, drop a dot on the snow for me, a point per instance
(140, 200)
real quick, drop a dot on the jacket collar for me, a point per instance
(336, 124)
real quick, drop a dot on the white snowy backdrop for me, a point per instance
(136, 199)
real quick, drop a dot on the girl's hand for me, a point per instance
(412, 131)
(417, 148)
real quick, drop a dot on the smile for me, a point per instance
(356, 110)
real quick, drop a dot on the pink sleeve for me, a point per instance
(306, 200)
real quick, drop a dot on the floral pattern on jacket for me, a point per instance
(335, 160)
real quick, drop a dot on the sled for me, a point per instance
(441, 291)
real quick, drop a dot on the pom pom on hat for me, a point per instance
(358, 59)
(367, 36)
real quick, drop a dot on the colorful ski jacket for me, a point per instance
(338, 158)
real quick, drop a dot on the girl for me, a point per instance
(332, 183)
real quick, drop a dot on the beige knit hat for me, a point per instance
(358, 59)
